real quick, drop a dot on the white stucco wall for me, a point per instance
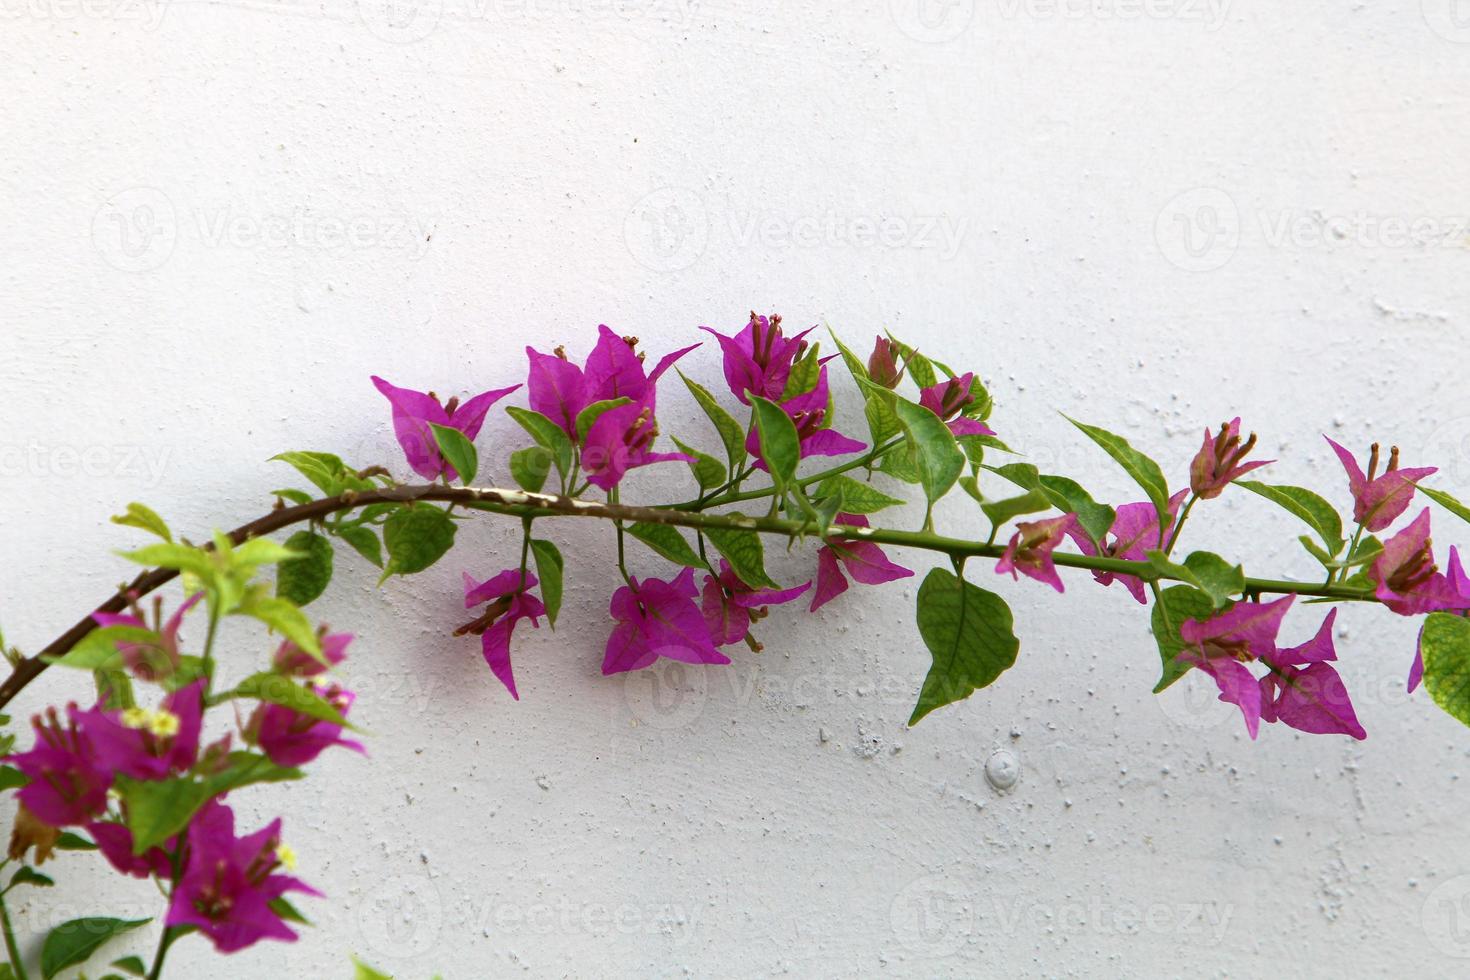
(221, 217)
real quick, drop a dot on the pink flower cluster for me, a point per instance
(223, 884)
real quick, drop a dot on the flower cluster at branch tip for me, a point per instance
(1220, 461)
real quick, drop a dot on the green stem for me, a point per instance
(165, 940)
(521, 504)
(17, 965)
(1179, 524)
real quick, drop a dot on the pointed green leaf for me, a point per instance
(547, 434)
(857, 497)
(1319, 515)
(1448, 502)
(305, 578)
(285, 618)
(278, 689)
(732, 433)
(1211, 574)
(920, 368)
(804, 374)
(595, 411)
(1445, 645)
(549, 566)
(146, 519)
(1145, 472)
(417, 537)
(708, 472)
(365, 542)
(73, 943)
(780, 446)
(132, 965)
(969, 635)
(69, 841)
(1175, 605)
(326, 471)
(1001, 512)
(458, 451)
(668, 542)
(936, 455)
(530, 467)
(745, 553)
(30, 876)
(157, 810)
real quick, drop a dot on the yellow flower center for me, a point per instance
(163, 724)
(286, 856)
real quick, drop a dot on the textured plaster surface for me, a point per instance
(221, 217)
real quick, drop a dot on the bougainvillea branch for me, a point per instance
(145, 781)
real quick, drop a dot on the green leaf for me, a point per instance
(1175, 605)
(132, 965)
(72, 943)
(365, 542)
(855, 364)
(297, 497)
(804, 374)
(938, 458)
(278, 689)
(157, 810)
(243, 769)
(69, 841)
(549, 567)
(1211, 574)
(708, 472)
(732, 433)
(1319, 515)
(668, 542)
(1145, 472)
(1001, 512)
(304, 579)
(1068, 496)
(458, 451)
(327, 471)
(287, 911)
(29, 876)
(745, 553)
(901, 463)
(365, 972)
(176, 556)
(969, 634)
(1448, 502)
(145, 518)
(780, 445)
(12, 778)
(882, 422)
(920, 368)
(417, 537)
(1445, 645)
(530, 467)
(593, 412)
(282, 616)
(857, 497)
(547, 434)
(98, 649)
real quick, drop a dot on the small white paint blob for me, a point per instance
(1003, 770)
